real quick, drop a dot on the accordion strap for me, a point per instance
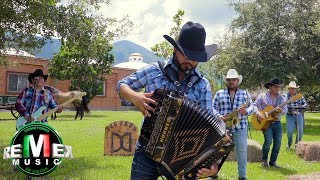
(170, 76)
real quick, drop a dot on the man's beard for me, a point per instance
(179, 66)
(232, 87)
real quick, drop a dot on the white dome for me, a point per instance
(131, 65)
(135, 62)
(136, 54)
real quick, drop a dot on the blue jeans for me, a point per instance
(240, 140)
(294, 121)
(272, 133)
(144, 168)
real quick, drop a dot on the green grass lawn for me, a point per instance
(87, 139)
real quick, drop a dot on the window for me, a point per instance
(17, 82)
(101, 88)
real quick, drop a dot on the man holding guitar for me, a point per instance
(234, 100)
(35, 97)
(294, 116)
(274, 131)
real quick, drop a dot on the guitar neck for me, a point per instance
(280, 106)
(56, 108)
(242, 106)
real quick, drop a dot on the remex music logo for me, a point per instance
(37, 149)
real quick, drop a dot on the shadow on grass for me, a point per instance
(282, 170)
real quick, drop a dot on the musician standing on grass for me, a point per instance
(274, 131)
(179, 73)
(230, 99)
(294, 116)
(35, 96)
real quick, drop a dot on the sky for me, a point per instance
(153, 18)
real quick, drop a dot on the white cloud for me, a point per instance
(153, 18)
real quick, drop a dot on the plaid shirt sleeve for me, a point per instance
(52, 102)
(285, 107)
(216, 104)
(136, 81)
(20, 103)
(206, 99)
(250, 109)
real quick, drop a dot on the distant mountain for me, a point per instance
(121, 51)
(51, 47)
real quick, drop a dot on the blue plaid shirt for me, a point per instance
(222, 105)
(301, 103)
(152, 78)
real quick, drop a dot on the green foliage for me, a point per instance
(164, 48)
(20, 20)
(313, 98)
(274, 38)
(85, 37)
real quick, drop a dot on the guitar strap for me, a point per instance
(278, 101)
(170, 75)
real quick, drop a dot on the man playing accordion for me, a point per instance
(180, 74)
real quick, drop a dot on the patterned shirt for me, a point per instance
(29, 102)
(264, 100)
(222, 105)
(152, 78)
(300, 104)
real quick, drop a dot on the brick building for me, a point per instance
(14, 79)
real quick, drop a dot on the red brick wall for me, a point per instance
(111, 99)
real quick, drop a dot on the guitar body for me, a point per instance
(38, 116)
(264, 122)
(21, 121)
(231, 119)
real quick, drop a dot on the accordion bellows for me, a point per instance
(182, 136)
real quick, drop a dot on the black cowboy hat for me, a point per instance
(191, 42)
(274, 81)
(36, 73)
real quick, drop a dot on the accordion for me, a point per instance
(182, 136)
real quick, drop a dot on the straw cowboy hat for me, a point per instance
(232, 74)
(274, 81)
(293, 84)
(191, 42)
(37, 73)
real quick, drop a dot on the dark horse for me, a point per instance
(80, 106)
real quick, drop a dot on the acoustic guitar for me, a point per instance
(38, 116)
(231, 118)
(269, 114)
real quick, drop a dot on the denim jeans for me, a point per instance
(294, 121)
(240, 140)
(144, 168)
(272, 133)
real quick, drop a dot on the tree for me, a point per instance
(164, 48)
(20, 20)
(84, 34)
(84, 58)
(274, 38)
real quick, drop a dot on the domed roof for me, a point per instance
(135, 62)
(131, 65)
(135, 54)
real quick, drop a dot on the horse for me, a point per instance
(80, 106)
